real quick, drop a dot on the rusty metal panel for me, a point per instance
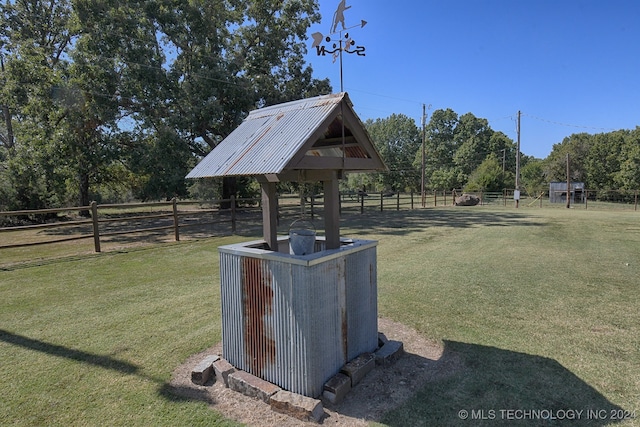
(295, 321)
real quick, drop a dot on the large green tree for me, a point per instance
(472, 135)
(90, 87)
(397, 139)
(440, 169)
(577, 147)
(457, 146)
(487, 177)
(604, 158)
(628, 176)
(533, 179)
(35, 38)
(229, 57)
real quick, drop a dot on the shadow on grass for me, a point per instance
(168, 391)
(468, 385)
(68, 353)
(401, 223)
(249, 224)
(174, 393)
(493, 386)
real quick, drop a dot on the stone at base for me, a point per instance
(382, 339)
(389, 353)
(359, 367)
(250, 385)
(337, 388)
(222, 368)
(296, 405)
(203, 370)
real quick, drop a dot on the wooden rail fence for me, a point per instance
(102, 226)
(97, 221)
(99, 228)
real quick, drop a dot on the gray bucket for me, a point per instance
(301, 240)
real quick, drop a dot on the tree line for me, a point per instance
(463, 152)
(111, 101)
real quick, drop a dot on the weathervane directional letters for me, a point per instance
(342, 44)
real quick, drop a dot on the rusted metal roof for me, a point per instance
(290, 136)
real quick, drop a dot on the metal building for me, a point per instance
(295, 320)
(558, 192)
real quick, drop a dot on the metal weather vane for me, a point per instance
(341, 44)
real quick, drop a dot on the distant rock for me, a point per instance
(467, 200)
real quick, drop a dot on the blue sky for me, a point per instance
(569, 66)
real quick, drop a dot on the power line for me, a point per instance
(387, 96)
(566, 124)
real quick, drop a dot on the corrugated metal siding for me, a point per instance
(362, 302)
(268, 138)
(296, 325)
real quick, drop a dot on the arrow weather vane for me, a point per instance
(339, 45)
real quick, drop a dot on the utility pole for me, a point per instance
(422, 189)
(517, 192)
(568, 184)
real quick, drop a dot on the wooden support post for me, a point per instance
(233, 214)
(313, 200)
(176, 225)
(586, 199)
(96, 232)
(568, 183)
(269, 215)
(398, 201)
(332, 213)
(381, 201)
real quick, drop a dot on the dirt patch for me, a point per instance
(382, 390)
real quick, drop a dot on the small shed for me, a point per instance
(558, 192)
(296, 320)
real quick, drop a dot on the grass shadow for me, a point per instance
(178, 393)
(500, 387)
(400, 223)
(101, 361)
(249, 224)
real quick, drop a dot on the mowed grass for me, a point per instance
(536, 309)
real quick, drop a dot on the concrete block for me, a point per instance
(359, 367)
(382, 339)
(250, 385)
(336, 388)
(296, 405)
(222, 369)
(203, 370)
(389, 353)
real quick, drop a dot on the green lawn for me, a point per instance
(539, 307)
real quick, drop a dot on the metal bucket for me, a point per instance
(301, 239)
